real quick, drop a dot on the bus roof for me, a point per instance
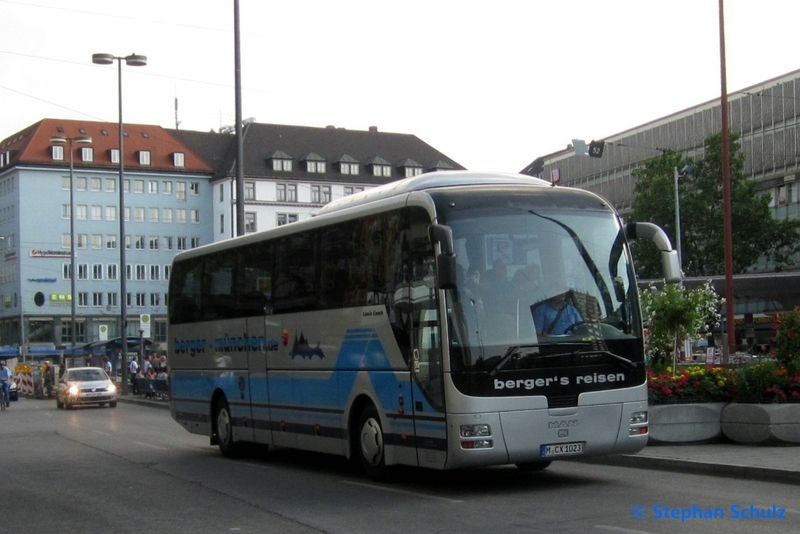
(427, 181)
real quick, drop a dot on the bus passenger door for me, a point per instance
(427, 382)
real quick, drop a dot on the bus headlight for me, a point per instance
(475, 431)
(638, 418)
(638, 424)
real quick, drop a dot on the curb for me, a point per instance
(762, 474)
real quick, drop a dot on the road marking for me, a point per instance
(403, 492)
(143, 444)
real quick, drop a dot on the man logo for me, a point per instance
(563, 424)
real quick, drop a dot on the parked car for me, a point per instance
(81, 386)
(13, 394)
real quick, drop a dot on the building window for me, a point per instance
(65, 184)
(138, 186)
(287, 192)
(181, 243)
(179, 159)
(87, 154)
(141, 272)
(83, 299)
(111, 271)
(111, 213)
(82, 241)
(152, 187)
(382, 170)
(167, 215)
(315, 166)
(155, 272)
(222, 222)
(127, 213)
(138, 214)
(167, 186)
(82, 212)
(97, 184)
(348, 168)
(81, 183)
(141, 300)
(222, 191)
(195, 242)
(111, 242)
(111, 298)
(57, 152)
(153, 242)
(181, 213)
(249, 222)
(97, 213)
(97, 241)
(83, 271)
(279, 164)
(97, 271)
(168, 242)
(320, 194)
(65, 211)
(249, 191)
(97, 299)
(167, 269)
(111, 185)
(413, 171)
(194, 188)
(144, 157)
(195, 215)
(153, 214)
(349, 190)
(139, 243)
(66, 271)
(286, 218)
(180, 191)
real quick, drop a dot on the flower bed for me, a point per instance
(693, 384)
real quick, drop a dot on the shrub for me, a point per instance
(693, 384)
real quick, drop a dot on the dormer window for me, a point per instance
(179, 159)
(314, 163)
(144, 157)
(87, 154)
(348, 164)
(380, 167)
(58, 152)
(281, 161)
(410, 168)
(113, 154)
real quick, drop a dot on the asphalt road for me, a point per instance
(132, 469)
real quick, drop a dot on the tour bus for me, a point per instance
(397, 327)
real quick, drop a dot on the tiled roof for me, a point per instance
(32, 146)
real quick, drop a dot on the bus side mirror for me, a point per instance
(446, 259)
(669, 257)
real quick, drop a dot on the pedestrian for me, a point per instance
(5, 382)
(134, 370)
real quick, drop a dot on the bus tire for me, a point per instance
(371, 445)
(223, 430)
(529, 467)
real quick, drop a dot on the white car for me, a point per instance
(13, 394)
(82, 386)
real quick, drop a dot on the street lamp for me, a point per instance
(132, 60)
(62, 139)
(687, 170)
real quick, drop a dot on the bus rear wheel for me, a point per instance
(223, 430)
(371, 445)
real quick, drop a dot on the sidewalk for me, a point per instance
(768, 463)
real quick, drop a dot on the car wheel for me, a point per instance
(112, 404)
(371, 445)
(59, 404)
(223, 431)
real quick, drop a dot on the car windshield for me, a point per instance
(86, 375)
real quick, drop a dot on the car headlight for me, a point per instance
(112, 388)
(73, 390)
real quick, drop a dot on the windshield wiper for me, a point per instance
(513, 350)
(630, 364)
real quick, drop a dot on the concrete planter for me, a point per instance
(762, 423)
(685, 423)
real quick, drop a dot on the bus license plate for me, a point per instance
(563, 449)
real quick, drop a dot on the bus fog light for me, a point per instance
(637, 431)
(475, 431)
(638, 418)
(477, 444)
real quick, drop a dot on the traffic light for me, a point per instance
(596, 149)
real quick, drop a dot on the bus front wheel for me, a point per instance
(223, 430)
(370, 443)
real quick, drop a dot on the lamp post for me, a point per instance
(62, 139)
(132, 60)
(688, 169)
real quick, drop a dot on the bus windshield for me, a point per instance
(541, 286)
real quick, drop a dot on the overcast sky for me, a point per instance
(492, 85)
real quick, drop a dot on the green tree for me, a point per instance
(755, 232)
